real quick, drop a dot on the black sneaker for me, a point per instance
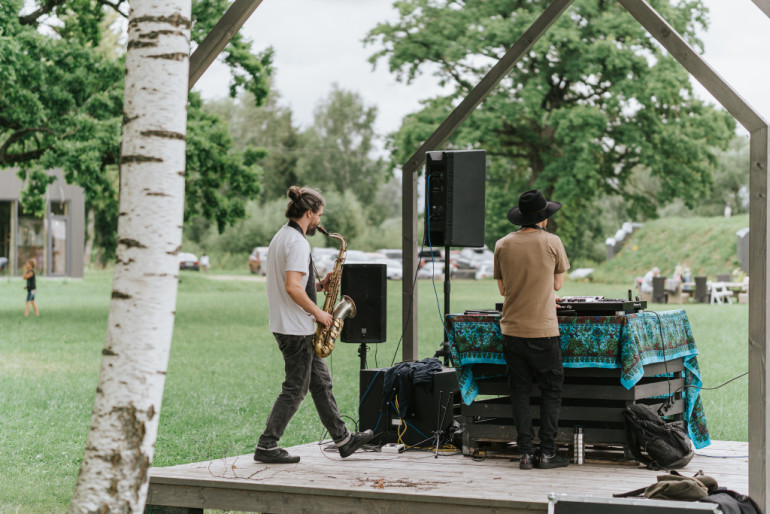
(357, 440)
(525, 462)
(275, 456)
(550, 461)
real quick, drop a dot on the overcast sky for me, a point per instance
(319, 42)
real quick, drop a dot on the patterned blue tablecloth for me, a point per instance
(626, 342)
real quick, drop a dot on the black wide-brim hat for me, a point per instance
(533, 208)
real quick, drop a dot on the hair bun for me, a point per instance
(295, 193)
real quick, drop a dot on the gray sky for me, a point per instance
(319, 42)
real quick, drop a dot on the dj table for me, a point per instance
(609, 361)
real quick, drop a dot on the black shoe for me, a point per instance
(525, 462)
(357, 440)
(550, 461)
(275, 456)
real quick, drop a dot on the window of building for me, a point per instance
(5, 236)
(30, 241)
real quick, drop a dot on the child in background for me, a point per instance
(29, 275)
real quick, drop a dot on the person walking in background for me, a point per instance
(291, 298)
(529, 266)
(29, 276)
(205, 262)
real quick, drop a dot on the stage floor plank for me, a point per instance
(413, 481)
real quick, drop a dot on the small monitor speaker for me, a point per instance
(367, 286)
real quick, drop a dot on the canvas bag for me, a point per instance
(674, 486)
(666, 444)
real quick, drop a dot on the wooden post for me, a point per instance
(764, 6)
(409, 246)
(216, 40)
(438, 138)
(759, 426)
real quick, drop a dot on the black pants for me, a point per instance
(535, 360)
(304, 371)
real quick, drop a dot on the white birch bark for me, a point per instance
(114, 475)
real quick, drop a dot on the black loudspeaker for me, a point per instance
(454, 197)
(367, 286)
(431, 408)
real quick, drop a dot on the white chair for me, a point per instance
(719, 293)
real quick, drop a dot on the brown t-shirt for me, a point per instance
(526, 262)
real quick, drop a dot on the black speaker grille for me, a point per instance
(366, 285)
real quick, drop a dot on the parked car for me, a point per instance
(257, 260)
(485, 270)
(393, 267)
(433, 270)
(427, 255)
(474, 258)
(188, 261)
(392, 253)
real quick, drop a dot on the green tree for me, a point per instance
(61, 97)
(338, 148)
(594, 102)
(269, 127)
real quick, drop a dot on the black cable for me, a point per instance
(711, 388)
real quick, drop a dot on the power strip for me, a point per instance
(392, 448)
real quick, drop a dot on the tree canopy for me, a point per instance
(61, 106)
(593, 103)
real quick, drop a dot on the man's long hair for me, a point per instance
(303, 199)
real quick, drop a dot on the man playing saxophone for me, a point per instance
(291, 296)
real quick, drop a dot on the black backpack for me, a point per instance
(666, 444)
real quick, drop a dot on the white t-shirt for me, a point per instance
(289, 251)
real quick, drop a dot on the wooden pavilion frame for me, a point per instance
(666, 35)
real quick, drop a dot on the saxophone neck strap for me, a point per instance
(310, 287)
(293, 224)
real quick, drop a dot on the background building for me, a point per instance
(55, 241)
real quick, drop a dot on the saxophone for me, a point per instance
(323, 341)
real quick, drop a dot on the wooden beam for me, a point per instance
(410, 261)
(438, 138)
(216, 41)
(764, 6)
(759, 425)
(692, 62)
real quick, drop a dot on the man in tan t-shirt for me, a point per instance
(529, 267)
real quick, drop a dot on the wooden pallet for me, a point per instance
(592, 398)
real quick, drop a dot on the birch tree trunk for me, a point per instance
(114, 474)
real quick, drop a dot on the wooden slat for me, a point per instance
(693, 63)
(764, 6)
(567, 412)
(759, 426)
(219, 37)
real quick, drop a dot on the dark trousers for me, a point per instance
(304, 371)
(534, 360)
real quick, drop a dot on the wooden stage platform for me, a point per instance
(413, 481)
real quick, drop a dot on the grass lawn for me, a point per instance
(225, 371)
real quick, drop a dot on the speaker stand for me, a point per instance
(362, 349)
(440, 417)
(444, 352)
